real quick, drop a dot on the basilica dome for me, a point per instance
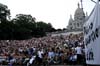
(79, 19)
(79, 13)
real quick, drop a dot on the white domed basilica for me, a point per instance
(78, 21)
(75, 26)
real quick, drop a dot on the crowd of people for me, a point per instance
(46, 50)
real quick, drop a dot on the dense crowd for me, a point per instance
(43, 51)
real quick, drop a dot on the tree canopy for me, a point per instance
(23, 26)
(4, 12)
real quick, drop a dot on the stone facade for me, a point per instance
(78, 21)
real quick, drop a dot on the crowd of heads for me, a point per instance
(51, 49)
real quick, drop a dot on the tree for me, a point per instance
(6, 30)
(59, 29)
(42, 28)
(23, 19)
(47, 27)
(25, 25)
(5, 25)
(4, 12)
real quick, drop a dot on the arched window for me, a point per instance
(78, 24)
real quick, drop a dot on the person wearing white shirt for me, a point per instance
(78, 50)
(40, 54)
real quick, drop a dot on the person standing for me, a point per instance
(78, 50)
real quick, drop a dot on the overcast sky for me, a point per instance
(56, 12)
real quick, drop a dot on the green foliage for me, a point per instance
(23, 26)
(44, 27)
(4, 13)
(6, 29)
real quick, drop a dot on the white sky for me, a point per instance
(56, 12)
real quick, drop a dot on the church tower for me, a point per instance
(79, 19)
(71, 21)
